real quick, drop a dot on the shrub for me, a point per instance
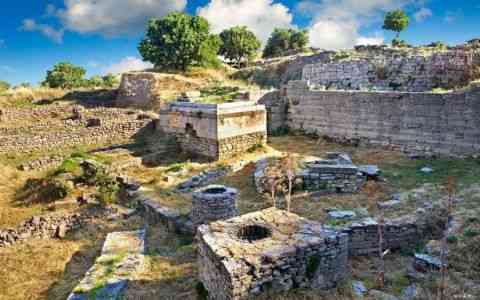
(178, 41)
(4, 86)
(65, 75)
(43, 190)
(471, 232)
(239, 44)
(107, 189)
(283, 40)
(399, 43)
(110, 80)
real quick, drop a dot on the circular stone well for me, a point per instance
(212, 203)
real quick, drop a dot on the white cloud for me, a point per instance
(423, 14)
(128, 63)
(53, 34)
(260, 16)
(336, 24)
(114, 17)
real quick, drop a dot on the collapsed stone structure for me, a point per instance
(269, 249)
(213, 203)
(336, 174)
(215, 131)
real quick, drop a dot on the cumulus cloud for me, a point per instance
(114, 17)
(53, 34)
(260, 16)
(423, 14)
(336, 24)
(128, 63)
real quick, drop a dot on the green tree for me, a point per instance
(110, 80)
(283, 40)
(65, 75)
(4, 85)
(239, 43)
(178, 41)
(96, 81)
(396, 21)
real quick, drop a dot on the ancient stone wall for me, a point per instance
(55, 127)
(394, 69)
(276, 111)
(215, 131)
(446, 123)
(149, 90)
(401, 233)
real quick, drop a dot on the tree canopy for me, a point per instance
(239, 44)
(396, 21)
(283, 40)
(65, 75)
(178, 41)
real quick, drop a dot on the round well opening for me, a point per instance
(215, 190)
(254, 233)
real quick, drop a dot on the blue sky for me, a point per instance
(103, 35)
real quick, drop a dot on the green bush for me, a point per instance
(65, 75)
(399, 43)
(283, 40)
(179, 41)
(4, 86)
(107, 189)
(471, 232)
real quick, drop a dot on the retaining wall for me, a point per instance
(446, 123)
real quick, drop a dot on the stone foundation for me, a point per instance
(215, 131)
(213, 203)
(269, 250)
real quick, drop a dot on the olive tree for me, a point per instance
(178, 41)
(239, 44)
(283, 40)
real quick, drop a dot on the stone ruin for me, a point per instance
(213, 203)
(215, 131)
(269, 250)
(336, 174)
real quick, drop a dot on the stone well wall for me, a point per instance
(213, 203)
(269, 250)
(441, 123)
(215, 131)
(394, 69)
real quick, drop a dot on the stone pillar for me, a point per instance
(212, 203)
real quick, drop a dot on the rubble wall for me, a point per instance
(394, 69)
(446, 123)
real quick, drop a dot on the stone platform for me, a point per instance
(215, 131)
(122, 257)
(270, 249)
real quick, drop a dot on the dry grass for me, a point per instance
(10, 212)
(171, 272)
(50, 269)
(24, 97)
